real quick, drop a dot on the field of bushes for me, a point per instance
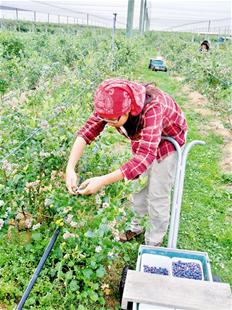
(47, 81)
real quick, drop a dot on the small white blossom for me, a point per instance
(44, 124)
(68, 235)
(68, 220)
(102, 193)
(44, 154)
(67, 209)
(73, 224)
(105, 205)
(98, 199)
(110, 254)
(1, 203)
(98, 249)
(32, 184)
(7, 166)
(48, 202)
(1, 223)
(36, 226)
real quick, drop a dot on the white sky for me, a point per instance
(163, 13)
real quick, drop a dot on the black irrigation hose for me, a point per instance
(38, 269)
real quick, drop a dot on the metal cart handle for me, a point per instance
(182, 154)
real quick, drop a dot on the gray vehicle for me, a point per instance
(157, 65)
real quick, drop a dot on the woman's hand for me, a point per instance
(91, 186)
(71, 181)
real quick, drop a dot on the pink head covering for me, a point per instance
(115, 97)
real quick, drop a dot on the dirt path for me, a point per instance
(199, 103)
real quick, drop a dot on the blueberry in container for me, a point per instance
(187, 268)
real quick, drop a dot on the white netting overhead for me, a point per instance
(177, 15)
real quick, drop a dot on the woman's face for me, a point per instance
(117, 122)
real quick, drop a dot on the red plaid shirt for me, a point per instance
(161, 116)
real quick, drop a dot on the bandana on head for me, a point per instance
(115, 97)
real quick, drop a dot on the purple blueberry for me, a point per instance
(186, 270)
(156, 270)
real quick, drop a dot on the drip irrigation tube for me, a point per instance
(38, 269)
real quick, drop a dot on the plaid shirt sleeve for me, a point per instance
(147, 145)
(91, 129)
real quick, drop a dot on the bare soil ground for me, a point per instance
(199, 103)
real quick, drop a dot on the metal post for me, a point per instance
(113, 30)
(34, 16)
(146, 27)
(130, 15)
(87, 19)
(17, 15)
(209, 25)
(141, 16)
(144, 17)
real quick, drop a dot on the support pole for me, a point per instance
(209, 26)
(113, 30)
(144, 16)
(141, 16)
(130, 15)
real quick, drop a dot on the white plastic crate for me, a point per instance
(161, 261)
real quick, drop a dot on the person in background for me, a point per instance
(204, 46)
(143, 114)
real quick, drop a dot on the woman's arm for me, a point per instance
(75, 155)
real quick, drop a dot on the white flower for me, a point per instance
(105, 205)
(1, 223)
(104, 286)
(48, 202)
(44, 154)
(67, 209)
(7, 166)
(98, 199)
(73, 224)
(44, 124)
(36, 226)
(102, 193)
(32, 184)
(1, 203)
(121, 210)
(68, 220)
(68, 235)
(110, 254)
(98, 249)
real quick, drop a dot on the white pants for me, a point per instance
(154, 200)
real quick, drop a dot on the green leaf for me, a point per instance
(36, 236)
(100, 272)
(69, 275)
(87, 273)
(73, 286)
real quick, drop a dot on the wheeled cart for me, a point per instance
(171, 278)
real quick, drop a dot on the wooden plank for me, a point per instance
(174, 292)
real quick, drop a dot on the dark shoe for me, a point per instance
(128, 235)
(154, 244)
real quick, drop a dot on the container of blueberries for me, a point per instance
(171, 262)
